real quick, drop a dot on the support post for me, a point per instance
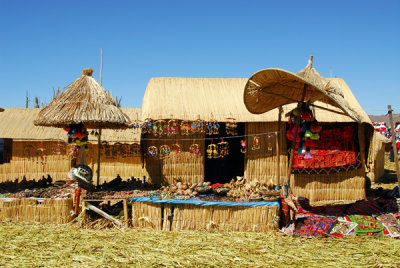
(102, 213)
(287, 181)
(396, 156)
(278, 147)
(82, 147)
(98, 157)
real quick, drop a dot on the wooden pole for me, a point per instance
(98, 156)
(396, 156)
(287, 181)
(101, 67)
(82, 154)
(99, 137)
(102, 213)
(278, 147)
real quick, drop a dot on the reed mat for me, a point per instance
(67, 245)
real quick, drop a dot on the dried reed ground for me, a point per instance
(50, 245)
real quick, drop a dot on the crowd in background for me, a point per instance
(384, 129)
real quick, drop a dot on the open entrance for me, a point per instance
(223, 169)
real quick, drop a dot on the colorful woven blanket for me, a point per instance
(315, 226)
(391, 224)
(367, 225)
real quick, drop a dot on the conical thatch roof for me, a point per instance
(85, 101)
(270, 88)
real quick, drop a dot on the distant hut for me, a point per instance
(33, 151)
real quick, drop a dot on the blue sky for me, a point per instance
(45, 44)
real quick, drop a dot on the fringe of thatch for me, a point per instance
(85, 101)
(36, 210)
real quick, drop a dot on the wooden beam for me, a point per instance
(102, 213)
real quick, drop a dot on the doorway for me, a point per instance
(222, 170)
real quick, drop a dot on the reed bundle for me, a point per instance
(261, 164)
(36, 210)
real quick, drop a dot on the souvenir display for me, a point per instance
(147, 126)
(212, 151)
(77, 133)
(176, 148)
(185, 127)
(164, 151)
(195, 149)
(270, 139)
(243, 146)
(198, 126)
(256, 143)
(152, 151)
(159, 128)
(231, 126)
(172, 127)
(213, 128)
(223, 148)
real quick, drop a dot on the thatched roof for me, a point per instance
(85, 101)
(270, 88)
(17, 124)
(221, 98)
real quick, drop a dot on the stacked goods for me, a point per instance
(252, 191)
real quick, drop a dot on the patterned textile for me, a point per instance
(315, 226)
(367, 226)
(391, 224)
(372, 207)
(337, 150)
(344, 227)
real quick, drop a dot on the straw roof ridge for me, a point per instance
(220, 98)
(85, 101)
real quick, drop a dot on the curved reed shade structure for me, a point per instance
(270, 88)
(85, 101)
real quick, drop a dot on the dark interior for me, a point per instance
(222, 170)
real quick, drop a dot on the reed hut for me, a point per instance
(34, 151)
(222, 98)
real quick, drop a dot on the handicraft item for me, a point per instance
(212, 151)
(243, 146)
(223, 148)
(231, 127)
(256, 143)
(164, 151)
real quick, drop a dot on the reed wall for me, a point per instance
(184, 166)
(193, 217)
(36, 210)
(376, 158)
(34, 159)
(262, 164)
(115, 159)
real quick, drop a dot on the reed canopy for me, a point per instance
(85, 101)
(270, 88)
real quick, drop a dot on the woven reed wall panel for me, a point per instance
(376, 157)
(242, 219)
(146, 215)
(34, 159)
(39, 211)
(343, 186)
(261, 164)
(114, 162)
(183, 167)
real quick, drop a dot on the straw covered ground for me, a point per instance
(50, 245)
